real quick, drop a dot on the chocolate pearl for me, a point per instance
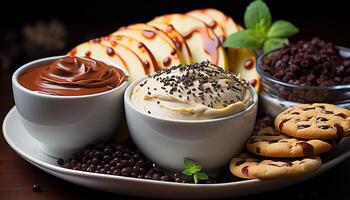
(126, 155)
(126, 171)
(131, 162)
(151, 172)
(91, 154)
(89, 169)
(95, 161)
(178, 180)
(136, 168)
(118, 154)
(148, 176)
(36, 188)
(156, 177)
(140, 163)
(133, 174)
(106, 157)
(98, 154)
(66, 165)
(107, 150)
(177, 175)
(108, 172)
(84, 167)
(164, 178)
(98, 167)
(142, 170)
(106, 167)
(60, 161)
(116, 172)
(115, 160)
(136, 156)
(125, 162)
(119, 165)
(140, 176)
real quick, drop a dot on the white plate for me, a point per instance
(18, 138)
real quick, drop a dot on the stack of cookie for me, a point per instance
(292, 148)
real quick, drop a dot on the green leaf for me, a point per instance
(188, 163)
(257, 16)
(282, 29)
(188, 172)
(197, 168)
(274, 43)
(195, 178)
(202, 176)
(245, 39)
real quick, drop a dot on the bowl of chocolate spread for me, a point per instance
(68, 102)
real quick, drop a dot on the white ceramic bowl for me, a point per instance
(65, 124)
(211, 143)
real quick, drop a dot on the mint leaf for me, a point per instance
(197, 168)
(274, 43)
(282, 29)
(188, 163)
(192, 169)
(245, 39)
(188, 172)
(195, 178)
(257, 16)
(202, 176)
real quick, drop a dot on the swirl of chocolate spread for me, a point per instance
(72, 76)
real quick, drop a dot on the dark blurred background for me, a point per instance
(30, 30)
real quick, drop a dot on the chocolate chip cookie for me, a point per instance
(314, 121)
(269, 142)
(248, 166)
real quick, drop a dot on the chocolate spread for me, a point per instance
(72, 76)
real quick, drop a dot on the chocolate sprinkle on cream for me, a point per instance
(197, 91)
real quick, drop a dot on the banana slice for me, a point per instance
(116, 54)
(140, 49)
(201, 40)
(165, 55)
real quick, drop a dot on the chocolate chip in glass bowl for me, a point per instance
(307, 63)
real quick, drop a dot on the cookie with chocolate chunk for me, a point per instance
(269, 142)
(314, 121)
(248, 166)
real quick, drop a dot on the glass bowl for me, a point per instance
(275, 95)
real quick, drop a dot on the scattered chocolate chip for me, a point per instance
(36, 188)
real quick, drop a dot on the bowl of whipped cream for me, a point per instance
(198, 111)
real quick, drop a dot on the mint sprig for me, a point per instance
(194, 170)
(260, 32)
